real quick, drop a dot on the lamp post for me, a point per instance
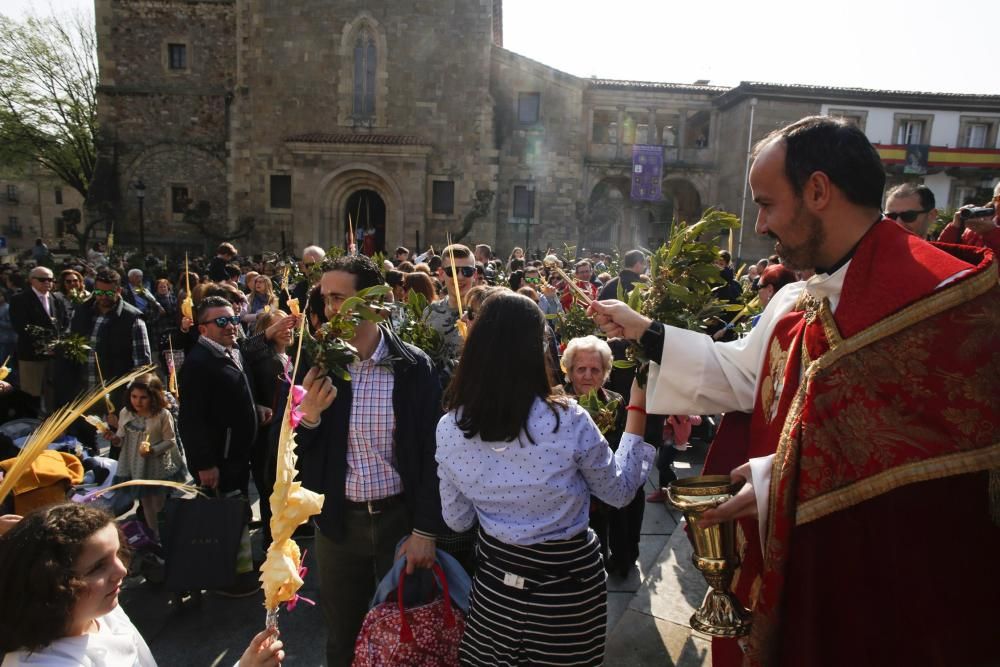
(140, 194)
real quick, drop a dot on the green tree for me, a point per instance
(48, 104)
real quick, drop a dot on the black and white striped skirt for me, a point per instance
(544, 604)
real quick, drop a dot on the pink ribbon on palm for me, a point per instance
(303, 570)
(298, 394)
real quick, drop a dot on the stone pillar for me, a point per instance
(651, 136)
(681, 133)
(620, 132)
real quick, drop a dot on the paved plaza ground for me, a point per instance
(647, 612)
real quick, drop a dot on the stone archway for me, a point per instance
(601, 224)
(686, 201)
(364, 215)
(335, 191)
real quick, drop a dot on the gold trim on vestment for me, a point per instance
(958, 463)
(948, 297)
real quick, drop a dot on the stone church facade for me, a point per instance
(406, 122)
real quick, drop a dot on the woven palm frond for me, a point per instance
(57, 423)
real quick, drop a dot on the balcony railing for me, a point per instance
(672, 155)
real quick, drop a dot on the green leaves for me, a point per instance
(330, 348)
(48, 96)
(574, 323)
(603, 414)
(415, 330)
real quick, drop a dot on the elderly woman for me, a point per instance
(587, 364)
(61, 570)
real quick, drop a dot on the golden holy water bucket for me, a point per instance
(721, 614)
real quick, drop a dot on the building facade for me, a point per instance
(32, 202)
(288, 124)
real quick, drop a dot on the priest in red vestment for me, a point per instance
(872, 503)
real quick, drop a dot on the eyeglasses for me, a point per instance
(104, 292)
(221, 322)
(534, 280)
(43, 280)
(467, 271)
(906, 216)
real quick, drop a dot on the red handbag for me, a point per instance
(423, 636)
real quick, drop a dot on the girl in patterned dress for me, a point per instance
(148, 444)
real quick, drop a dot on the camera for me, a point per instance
(976, 212)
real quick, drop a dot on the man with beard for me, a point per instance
(873, 388)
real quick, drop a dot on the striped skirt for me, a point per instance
(544, 604)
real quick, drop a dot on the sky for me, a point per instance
(885, 44)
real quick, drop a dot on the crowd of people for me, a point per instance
(844, 417)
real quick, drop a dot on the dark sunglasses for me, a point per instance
(221, 322)
(467, 271)
(104, 292)
(906, 216)
(532, 279)
(44, 280)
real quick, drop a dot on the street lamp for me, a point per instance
(140, 194)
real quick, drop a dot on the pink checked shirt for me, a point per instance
(370, 471)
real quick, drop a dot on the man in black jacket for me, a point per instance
(634, 263)
(218, 417)
(37, 306)
(371, 452)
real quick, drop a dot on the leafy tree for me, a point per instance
(48, 106)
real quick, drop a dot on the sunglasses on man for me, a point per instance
(534, 280)
(906, 216)
(104, 292)
(221, 322)
(467, 271)
(43, 279)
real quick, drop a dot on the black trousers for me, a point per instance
(349, 572)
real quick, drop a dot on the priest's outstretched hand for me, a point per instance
(743, 504)
(617, 320)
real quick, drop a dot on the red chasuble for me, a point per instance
(885, 422)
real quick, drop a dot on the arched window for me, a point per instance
(365, 62)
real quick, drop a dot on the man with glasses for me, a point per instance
(218, 418)
(912, 206)
(548, 296)
(37, 306)
(443, 314)
(980, 232)
(116, 334)
(368, 445)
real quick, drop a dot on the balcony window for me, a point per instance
(975, 135)
(179, 199)
(281, 191)
(910, 132)
(443, 197)
(605, 127)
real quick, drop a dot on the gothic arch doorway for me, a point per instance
(364, 212)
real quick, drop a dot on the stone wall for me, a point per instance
(168, 127)
(769, 115)
(295, 78)
(547, 155)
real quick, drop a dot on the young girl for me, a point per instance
(61, 570)
(148, 444)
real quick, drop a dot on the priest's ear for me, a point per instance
(817, 191)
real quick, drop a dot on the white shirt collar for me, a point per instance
(828, 285)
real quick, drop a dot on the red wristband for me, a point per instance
(636, 408)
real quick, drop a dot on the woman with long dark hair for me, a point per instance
(525, 461)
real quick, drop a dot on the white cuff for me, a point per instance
(760, 477)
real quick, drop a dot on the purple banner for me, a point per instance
(647, 172)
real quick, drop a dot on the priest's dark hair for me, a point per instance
(502, 371)
(836, 147)
(365, 273)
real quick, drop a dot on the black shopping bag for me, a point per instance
(201, 539)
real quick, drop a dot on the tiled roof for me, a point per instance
(345, 138)
(810, 88)
(655, 85)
